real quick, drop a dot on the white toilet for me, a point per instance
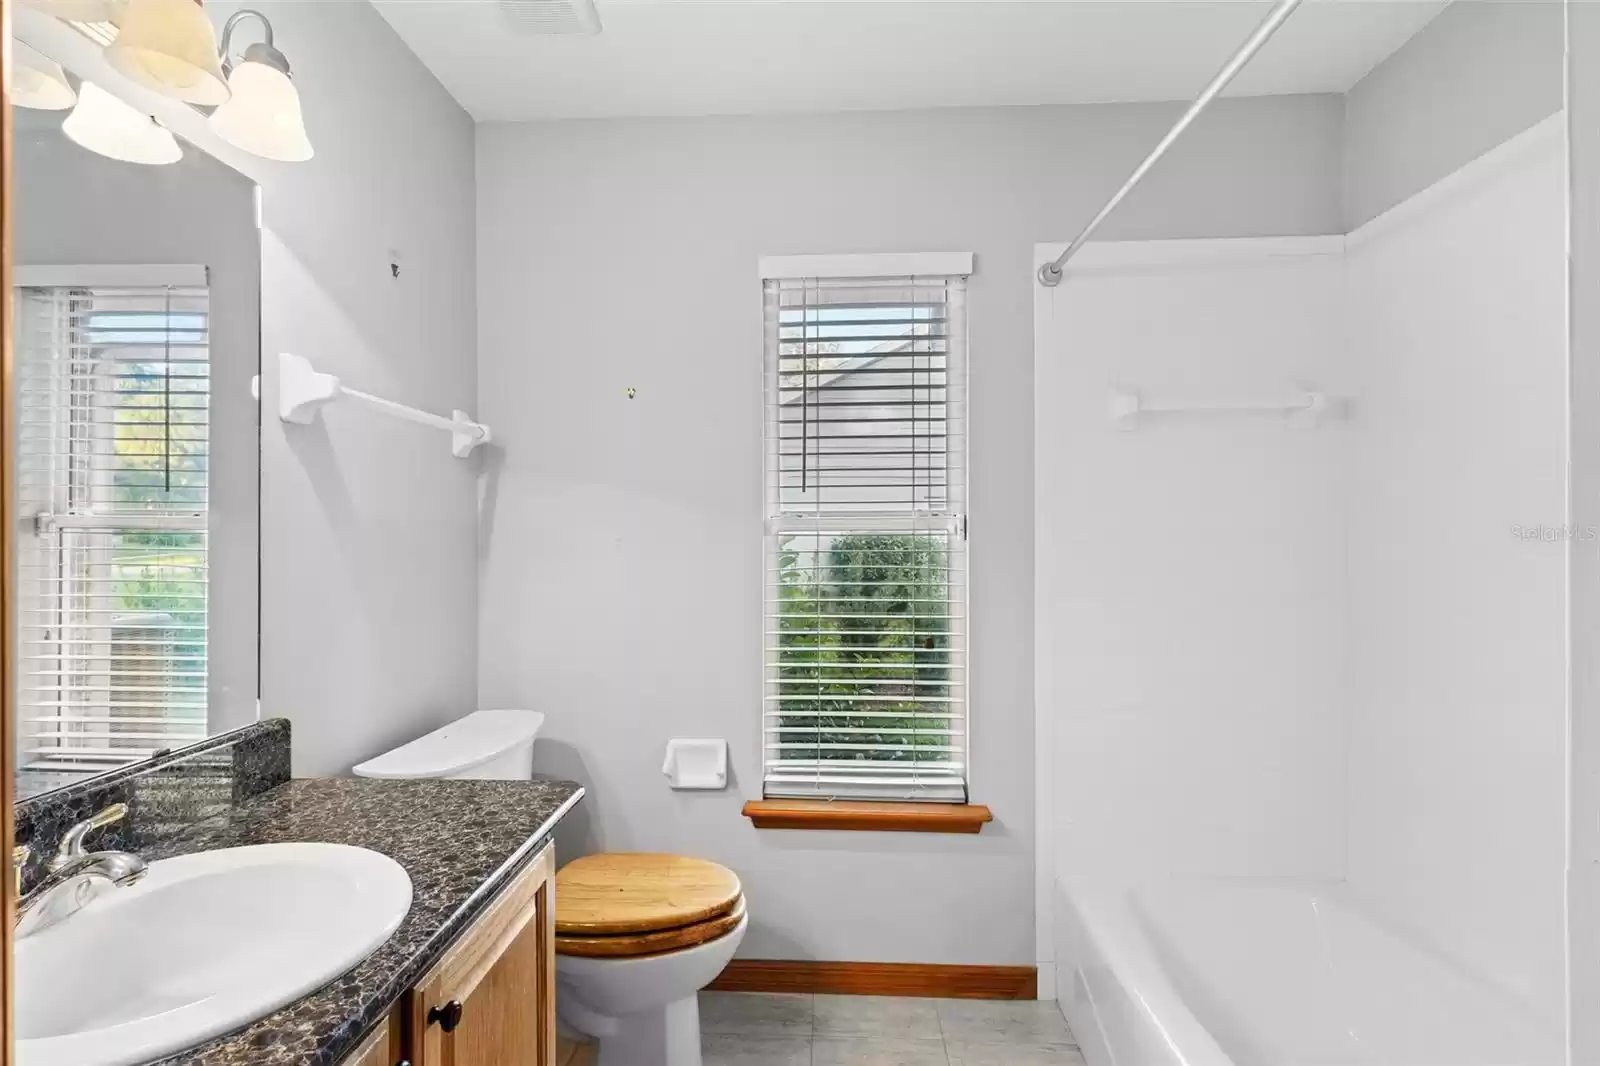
(637, 935)
(483, 746)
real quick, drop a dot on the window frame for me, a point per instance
(849, 809)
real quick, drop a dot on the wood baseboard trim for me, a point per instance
(879, 979)
(868, 816)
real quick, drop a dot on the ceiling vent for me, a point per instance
(552, 16)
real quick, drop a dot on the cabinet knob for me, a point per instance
(448, 1016)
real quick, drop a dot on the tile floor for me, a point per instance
(746, 1029)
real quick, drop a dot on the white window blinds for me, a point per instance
(114, 398)
(865, 619)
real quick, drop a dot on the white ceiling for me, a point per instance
(699, 57)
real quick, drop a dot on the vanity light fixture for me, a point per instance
(104, 124)
(39, 82)
(169, 46)
(263, 115)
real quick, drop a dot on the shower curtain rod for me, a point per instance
(1050, 273)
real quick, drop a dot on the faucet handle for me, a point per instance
(71, 846)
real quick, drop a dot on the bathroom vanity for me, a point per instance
(466, 979)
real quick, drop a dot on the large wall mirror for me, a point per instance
(136, 301)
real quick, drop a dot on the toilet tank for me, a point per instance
(483, 746)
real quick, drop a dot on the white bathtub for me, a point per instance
(1270, 973)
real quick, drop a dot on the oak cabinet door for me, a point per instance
(491, 1000)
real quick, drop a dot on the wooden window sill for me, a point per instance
(867, 816)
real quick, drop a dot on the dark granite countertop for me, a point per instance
(459, 841)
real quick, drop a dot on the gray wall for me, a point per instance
(621, 539)
(1480, 73)
(73, 207)
(369, 586)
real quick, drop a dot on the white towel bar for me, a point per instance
(1306, 408)
(302, 392)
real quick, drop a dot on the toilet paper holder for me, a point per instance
(696, 763)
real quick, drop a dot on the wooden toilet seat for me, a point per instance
(629, 945)
(628, 904)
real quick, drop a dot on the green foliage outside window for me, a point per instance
(864, 640)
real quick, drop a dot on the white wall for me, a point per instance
(1337, 653)
(1457, 645)
(72, 209)
(1191, 571)
(1457, 734)
(368, 582)
(621, 538)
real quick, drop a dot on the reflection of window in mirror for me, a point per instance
(113, 404)
(135, 296)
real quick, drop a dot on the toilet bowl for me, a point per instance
(644, 1011)
(637, 935)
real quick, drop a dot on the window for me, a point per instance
(114, 397)
(865, 620)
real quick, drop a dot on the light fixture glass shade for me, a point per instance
(169, 46)
(39, 82)
(263, 117)
(104, 124)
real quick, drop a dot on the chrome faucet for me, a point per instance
(71, 846)
(70, 865)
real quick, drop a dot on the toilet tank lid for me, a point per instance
(457, 747)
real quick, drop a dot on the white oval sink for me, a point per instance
(203, 945)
